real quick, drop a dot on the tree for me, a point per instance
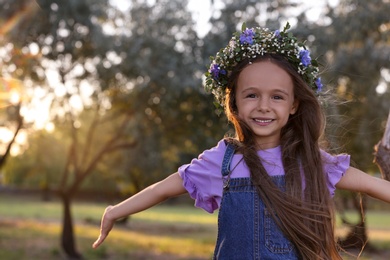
(228, 19)
(355, 66)
(14, 121)
(68, 41)
(168, 83)
(136, 78)
(69, 48)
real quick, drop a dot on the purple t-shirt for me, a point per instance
(202, 178)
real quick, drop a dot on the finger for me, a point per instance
(98, 242)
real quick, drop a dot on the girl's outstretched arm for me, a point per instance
(170, 187)
(356, 180)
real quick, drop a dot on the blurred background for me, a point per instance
(99, 99)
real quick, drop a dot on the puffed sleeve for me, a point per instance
(335, 167)
(202, 178)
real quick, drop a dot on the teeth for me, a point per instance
(263, 121)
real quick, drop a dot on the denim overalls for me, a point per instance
(246, 229)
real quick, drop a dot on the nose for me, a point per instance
(263, 105)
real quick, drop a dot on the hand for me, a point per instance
(105, 228)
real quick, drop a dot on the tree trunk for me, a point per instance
(357, 236)
(19, 125)
(67, 236)
(382, 152)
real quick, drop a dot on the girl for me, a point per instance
(272, 183)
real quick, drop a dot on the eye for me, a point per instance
(252, 95)
(278, 97)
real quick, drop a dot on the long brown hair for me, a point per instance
(304, 214)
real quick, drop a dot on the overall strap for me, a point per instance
(227, 159)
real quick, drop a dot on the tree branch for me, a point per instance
(90, 134)
(18, 127)
(110, 145)
(121, 146)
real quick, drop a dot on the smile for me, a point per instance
(263, 121)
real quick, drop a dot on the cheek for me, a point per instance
(241, 107)
(241, 112)
(240, 116)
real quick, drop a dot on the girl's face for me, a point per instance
(265, 100)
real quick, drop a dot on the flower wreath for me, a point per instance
(259, 41)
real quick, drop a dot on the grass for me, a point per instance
(30, 229)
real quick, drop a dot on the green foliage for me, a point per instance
(137, 76)
(142, 76)
(40, 166)
(355, 48)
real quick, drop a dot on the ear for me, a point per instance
(294, 107)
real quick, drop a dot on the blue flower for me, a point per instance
(215, 70)
(304, 56)
(277, 34)
(247, 36)
(318, 84)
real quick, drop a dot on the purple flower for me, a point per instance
(318, 84)
(304, 55)
(215, 70)
(247, 36)
(277, 33)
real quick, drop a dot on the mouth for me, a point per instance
(259, 120)
(263, 121)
